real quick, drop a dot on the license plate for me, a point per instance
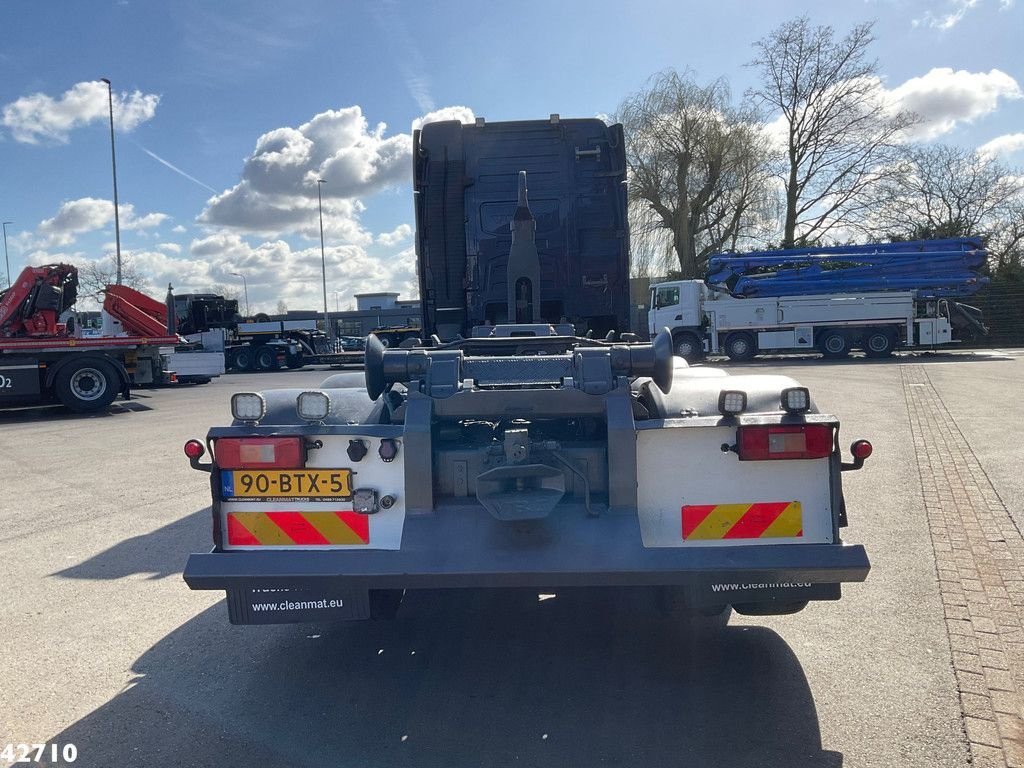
(312, 484)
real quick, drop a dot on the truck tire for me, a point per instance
(879, 343)
(674, 603)
(740, 346)
(244, 359)
(266, 359)
(294, 361)
(688, 346)
(87, 385)
(834, 345)
(771, 608)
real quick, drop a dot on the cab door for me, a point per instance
(665, 309)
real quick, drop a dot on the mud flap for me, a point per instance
(294, 606)
(763, 595)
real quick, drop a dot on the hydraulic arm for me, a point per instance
(930, 268)
(32, 305)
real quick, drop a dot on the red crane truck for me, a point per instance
(45, 360)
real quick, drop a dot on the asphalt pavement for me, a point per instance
(104, 646)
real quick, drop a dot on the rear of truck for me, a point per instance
(465, 195)
(546, 463)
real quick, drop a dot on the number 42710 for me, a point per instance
(34, 753)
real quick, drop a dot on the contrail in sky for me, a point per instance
(174, 168)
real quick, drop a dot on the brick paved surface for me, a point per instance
(979, 559)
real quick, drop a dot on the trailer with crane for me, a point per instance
(521, 454)
(876, 297)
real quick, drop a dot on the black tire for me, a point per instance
(244, 359)
(261, 317)
(294, 361)
(688, 346)
(834, 345)
(770, 609)
(880, 343)
(266, 359)
(740, 346)
(87, 385)
(674, 602)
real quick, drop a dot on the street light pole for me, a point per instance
(323, 258)
(6, 260)
(245, 288)
(113, 165)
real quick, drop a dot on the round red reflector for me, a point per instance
(194, 449)
(861, 449)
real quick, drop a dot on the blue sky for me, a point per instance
(197, 84)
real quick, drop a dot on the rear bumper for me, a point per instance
(467, 548)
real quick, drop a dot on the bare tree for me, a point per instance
(94, 276)
(943, 191)
(699, 171)
(1006, 243)
(838, 131)
(282, 308)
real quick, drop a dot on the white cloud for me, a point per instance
(945, 21)
(1007, 144)
(278, 190)
(944, 97)
(169, 248)
(399, 234)
(350, 270)
(178, 229)
(460, 113)
(130, 221)
(40, 117)
(89, 214)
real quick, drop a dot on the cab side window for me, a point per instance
(666, 297)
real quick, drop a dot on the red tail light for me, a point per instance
(790, 441)
(260, 453)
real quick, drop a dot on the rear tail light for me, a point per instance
(789, 441)
(260, 452)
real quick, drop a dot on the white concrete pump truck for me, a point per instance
(519, 454)
(875, 297)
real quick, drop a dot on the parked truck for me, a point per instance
(874, 297)
(524, 455)
(259, 343)
(44, 357)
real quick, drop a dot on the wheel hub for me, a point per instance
(88, 384)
